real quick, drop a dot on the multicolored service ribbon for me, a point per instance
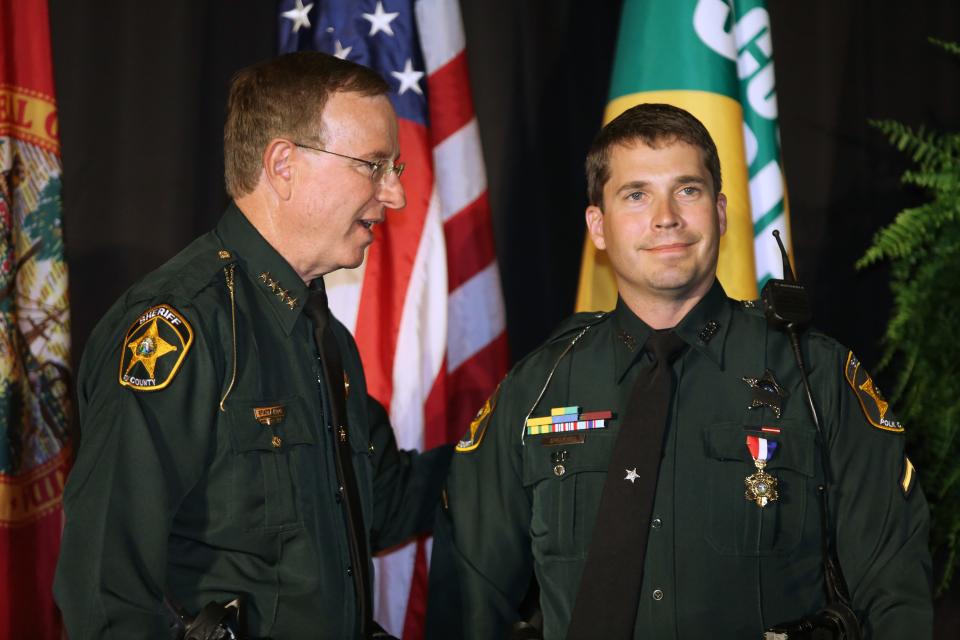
(567, 419)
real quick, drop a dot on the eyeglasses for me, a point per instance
(378, 168)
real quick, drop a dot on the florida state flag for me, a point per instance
(34, 326)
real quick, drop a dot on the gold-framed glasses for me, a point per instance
(379, 169)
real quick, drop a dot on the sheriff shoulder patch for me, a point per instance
(478, 426)
(875, 408)
(154, 348)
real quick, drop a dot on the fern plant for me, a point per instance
(922, 247)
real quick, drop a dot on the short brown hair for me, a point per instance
(650, 124)
(283, 97)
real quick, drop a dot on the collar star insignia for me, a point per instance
(274, 286)
(148, 348)
(632, 475)
(767, 392)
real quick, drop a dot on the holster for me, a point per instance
(216, 621)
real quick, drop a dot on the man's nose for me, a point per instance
(390, 192)
(665, 215)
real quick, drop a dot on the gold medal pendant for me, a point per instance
(761, 486)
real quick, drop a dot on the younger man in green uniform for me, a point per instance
(551, 477)
(221, 458)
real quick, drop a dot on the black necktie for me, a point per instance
(318, 311)
(609, 593)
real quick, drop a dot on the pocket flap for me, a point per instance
(255, 424)
(795, 445)
(540, 462)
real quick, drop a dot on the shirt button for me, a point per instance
(657, 523)
(349, 571)
(338, 496)
(657, 595)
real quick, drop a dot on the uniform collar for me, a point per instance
(283, 290)
(704, 328)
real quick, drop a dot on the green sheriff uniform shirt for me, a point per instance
(717, 565)
(174, 495)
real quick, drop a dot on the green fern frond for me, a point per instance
(905, 238)
(920, 144)
(933, 180)
(922, 248)
(949, 47)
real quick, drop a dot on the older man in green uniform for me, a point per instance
(656, 468)
(221, 457)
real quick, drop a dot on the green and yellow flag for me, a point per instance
(713, 58)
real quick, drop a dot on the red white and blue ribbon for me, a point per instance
(761, 449)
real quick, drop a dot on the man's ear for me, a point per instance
(594, 218)
(722, 213)
(277, 167)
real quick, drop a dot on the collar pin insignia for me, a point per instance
(708, 331)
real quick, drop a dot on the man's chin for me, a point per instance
(355, 261)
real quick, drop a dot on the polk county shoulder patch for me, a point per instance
(875, 408)
(154, 348)
(478, 426)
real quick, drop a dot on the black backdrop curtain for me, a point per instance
(141, 89)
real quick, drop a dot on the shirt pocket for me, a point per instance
(265, 457)
(738, 526)
(565, 493)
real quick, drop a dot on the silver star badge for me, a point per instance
(632, 475)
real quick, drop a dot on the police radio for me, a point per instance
(786, 306)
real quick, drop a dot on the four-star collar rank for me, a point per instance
(275, 287)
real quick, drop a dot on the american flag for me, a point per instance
(426, 309)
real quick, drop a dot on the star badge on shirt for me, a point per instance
(154, 348)
(766, 392)
(632, 475)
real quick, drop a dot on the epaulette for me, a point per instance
(577, 322)
(569, 329)
(159, 339)
(184, 275)
(198, 272)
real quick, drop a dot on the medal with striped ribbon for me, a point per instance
(761, 486)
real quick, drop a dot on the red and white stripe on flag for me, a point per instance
(426, 308)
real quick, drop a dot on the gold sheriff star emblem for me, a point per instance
(148, 348)
(157, 341)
